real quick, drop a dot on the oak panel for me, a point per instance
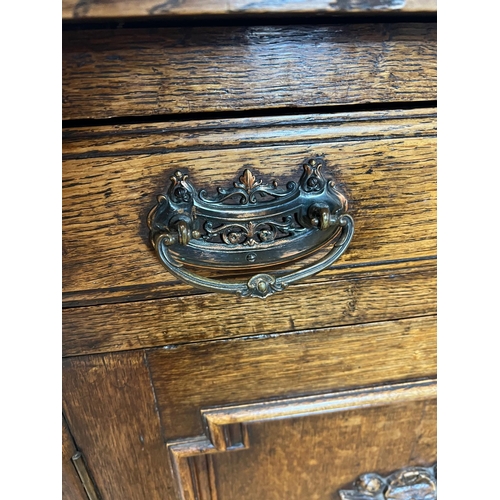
(102, 9)
(110, 407)
(314, 457)
(403, 293)
(227, 428)
(72, 488)
(130, 72)
(190, 377)
(385, 163)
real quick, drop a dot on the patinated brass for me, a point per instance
(252, 226)
(410, 483)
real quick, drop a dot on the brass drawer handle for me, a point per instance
(250, 226)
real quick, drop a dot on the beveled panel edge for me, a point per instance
(219, 420)
(216, 420)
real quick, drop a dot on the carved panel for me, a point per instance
(226, 431)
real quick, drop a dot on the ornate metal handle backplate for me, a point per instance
(410, 483)
(251, 226)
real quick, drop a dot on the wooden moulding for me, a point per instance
(132, 72)
(384, 163)
(122, 9)
(191, 458)
(365, 297)
(190, 377)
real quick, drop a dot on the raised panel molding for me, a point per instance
(226, 428)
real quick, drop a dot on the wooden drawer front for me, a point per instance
(383, 161)
(162, 71)
(393, 292)
(170, 392)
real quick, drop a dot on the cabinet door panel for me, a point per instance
(110, 407)
(309, 446)
(314, 457)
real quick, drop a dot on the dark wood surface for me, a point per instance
(72, 488)
(262, 368)
(172, 393)
(184, 70)
(113, 9)
(111, 411)
(313, 457)
(407, 293)
(124, 408)
(385, 162)
(220, 421)
(230, 430)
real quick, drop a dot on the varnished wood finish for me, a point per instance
(402, 294)
(313, 457)
(384, 162)
(112, 9)
(72, 488)
(162, 137)
(189, 377)
(110, 405)
(184, 70)
(218, 420)
(197, 471)
(172, 393)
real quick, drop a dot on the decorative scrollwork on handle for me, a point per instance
(410, 483)
(251, 225)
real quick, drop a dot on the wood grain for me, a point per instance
(112, 9)
(131, 72)
(72, 488)
(407, 293)
(190, 377)
(192, 468)
(193, 459)
(384, 162)
(219, 421)
(313, 457)
(155, 360)
(110, 406)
